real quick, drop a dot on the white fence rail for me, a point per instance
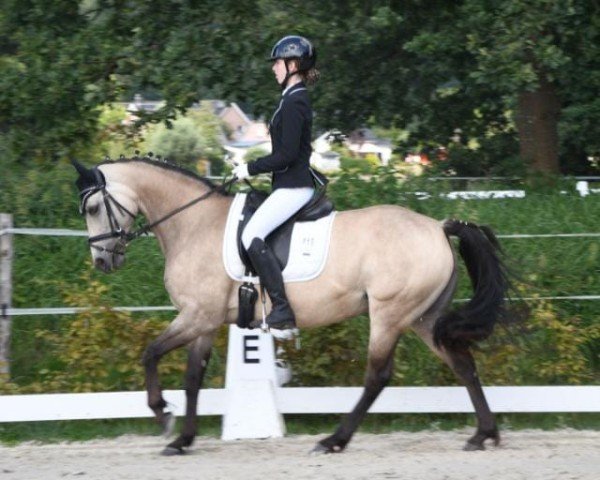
(82, 233)
(25, 312)
(60, 232)
(304, 400)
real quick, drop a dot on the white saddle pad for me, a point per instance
(308, 248)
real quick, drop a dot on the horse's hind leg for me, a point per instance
(379, 372)
(463, 365)
(198, 358)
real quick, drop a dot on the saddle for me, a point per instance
(279, 240)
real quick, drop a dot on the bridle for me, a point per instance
(116, 231)
(111, 203)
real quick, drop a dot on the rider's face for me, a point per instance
(280, 71)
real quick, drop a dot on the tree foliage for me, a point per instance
(428, 68)
(189, 140)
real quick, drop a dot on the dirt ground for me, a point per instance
(429, 455)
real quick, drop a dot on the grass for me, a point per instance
(210, 426)
(75, 430)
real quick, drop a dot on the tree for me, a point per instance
(526, 53)
(179, 143)
(190, 139)
(488, 67)
(55, 73)
(61, 60)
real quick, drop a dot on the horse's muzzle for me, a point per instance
(109, 264)
(101, 264)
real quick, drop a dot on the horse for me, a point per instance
(395, 265)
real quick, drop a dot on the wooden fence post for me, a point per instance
(6, 254)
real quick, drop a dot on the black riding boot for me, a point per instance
(266, 265)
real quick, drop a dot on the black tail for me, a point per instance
(475, 320)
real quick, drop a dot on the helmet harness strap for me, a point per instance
(288, 74)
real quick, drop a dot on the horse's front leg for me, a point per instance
(198, 358)
(180, 332)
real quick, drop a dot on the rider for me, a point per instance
(294, 61)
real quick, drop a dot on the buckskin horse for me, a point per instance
(391, 263)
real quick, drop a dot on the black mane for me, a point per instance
(167, 166)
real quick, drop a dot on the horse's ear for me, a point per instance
(87, 176)
(81, 170)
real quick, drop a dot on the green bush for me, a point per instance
(41, 197)
(100, 349)
(357, 164)
(190, 139)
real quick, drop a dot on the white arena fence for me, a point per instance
(256, 385)
(303, 400)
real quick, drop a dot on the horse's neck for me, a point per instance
(160, 192)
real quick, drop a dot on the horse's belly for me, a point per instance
(316, 305)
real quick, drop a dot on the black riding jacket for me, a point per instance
(290, 130)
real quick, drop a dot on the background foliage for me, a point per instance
(100, 349)
(430, 69)
(195, 138)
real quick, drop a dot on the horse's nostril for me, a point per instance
(100, 264)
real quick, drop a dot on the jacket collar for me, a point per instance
(292, 89)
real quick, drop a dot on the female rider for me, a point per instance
(290, 128)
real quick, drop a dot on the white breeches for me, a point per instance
(279, 206)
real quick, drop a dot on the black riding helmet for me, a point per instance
(295, 47)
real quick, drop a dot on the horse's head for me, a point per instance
(109, 208)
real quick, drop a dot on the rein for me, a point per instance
(126, 237)
(149, 226)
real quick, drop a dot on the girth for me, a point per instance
(279, 240)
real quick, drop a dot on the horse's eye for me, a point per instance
(93, 210)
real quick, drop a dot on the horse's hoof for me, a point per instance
(321, 449)
(477, 441)
(172, 451)
(168, 424)
(472, 447)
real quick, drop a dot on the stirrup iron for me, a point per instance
(264, 326)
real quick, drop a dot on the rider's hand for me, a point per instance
(241, 171)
